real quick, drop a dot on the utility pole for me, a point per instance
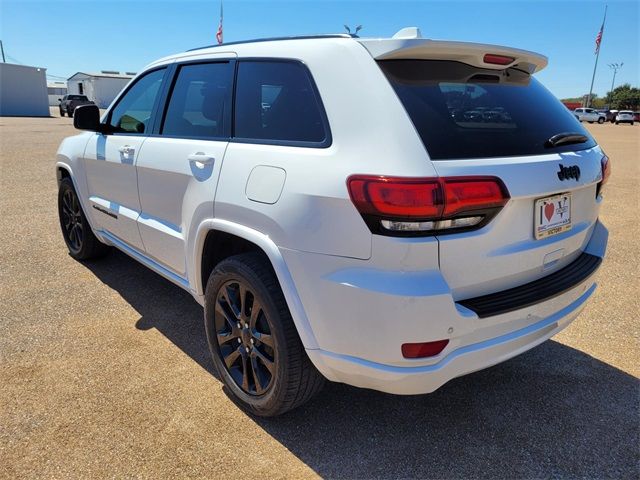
(2, 48)
(598, 42)
(615, 67)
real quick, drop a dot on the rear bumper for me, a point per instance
(364, 348)
(464, 359)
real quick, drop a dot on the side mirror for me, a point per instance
(59, 99)
(87, 117)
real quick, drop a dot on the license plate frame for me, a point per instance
(545, 226)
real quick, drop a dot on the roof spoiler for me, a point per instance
(408, 44)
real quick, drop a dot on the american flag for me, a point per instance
(219, 32)
(599, 38)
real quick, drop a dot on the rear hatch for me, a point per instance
(481, 113)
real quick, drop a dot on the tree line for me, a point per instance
(624, 97)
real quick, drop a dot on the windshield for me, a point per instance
(462, 111)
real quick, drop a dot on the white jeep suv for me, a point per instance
(340, 211)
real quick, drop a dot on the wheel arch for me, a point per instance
(217, 239)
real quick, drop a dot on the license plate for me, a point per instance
(552, 215)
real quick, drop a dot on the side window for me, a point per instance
(200, 101)
(132, 114)
(276, 101)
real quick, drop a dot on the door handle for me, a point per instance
(201, 158)
(127, 150)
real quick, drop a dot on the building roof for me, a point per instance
(126, 76)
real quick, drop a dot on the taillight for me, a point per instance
(605, 164)
(426, 206)
(498, 59)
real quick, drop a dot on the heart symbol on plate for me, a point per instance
(548, 211)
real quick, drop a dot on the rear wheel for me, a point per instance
(253, 340)
(617, 123)
(80, 240)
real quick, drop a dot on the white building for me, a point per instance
(23, 91)
(55, 91)
(101, 87)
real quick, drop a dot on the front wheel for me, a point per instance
(617, 123)
(61, 113)
(601, 120)
(70, 113)
(77, 234)
(253, 340)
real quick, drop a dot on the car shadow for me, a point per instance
(551, 412)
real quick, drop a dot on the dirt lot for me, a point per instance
(104, 370)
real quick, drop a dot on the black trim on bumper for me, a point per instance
(534, 292)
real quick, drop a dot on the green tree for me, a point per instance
(624, 97)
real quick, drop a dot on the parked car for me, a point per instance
(69, 103)
(625, 116)
(368, 236)
(610, 115)
(589, 115)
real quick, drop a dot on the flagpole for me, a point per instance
(597, 57)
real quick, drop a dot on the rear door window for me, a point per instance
(200, 102)
(464, 112)
(277, 102)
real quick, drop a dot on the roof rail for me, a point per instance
(275, 39)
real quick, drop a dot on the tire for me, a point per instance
(617, 123)
(631, 123)
(601, 120)
(61, 113)
(77, 234)
(589, 122)
(70, 113)
(285, 377)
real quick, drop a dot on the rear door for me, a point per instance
(109, 160)
(178, 166)
(552, 184)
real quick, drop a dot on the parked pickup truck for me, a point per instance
(589, 115)
(68, 103)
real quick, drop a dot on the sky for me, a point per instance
(70, 36)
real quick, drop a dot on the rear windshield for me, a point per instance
(462, 111)
(76, 97)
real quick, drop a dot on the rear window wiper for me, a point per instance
(566, 138)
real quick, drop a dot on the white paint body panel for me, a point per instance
(354, 297)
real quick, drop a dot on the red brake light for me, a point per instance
(473, 193)
(421, 350)
(498, 59)
(606, 169)
(605, 164)
(419, 206)
(397, 197)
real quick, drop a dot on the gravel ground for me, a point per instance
(105, 371)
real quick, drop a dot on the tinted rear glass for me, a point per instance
(276, 102)
(462, 111)
(76, 97)
(200, 101)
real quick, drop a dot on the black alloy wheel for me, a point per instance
(253, 340)
(76, 231)
(71, 221)
(244, 338)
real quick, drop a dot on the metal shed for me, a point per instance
(23, 91)
(101, 87)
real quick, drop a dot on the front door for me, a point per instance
(178, 166)
(109, 160)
